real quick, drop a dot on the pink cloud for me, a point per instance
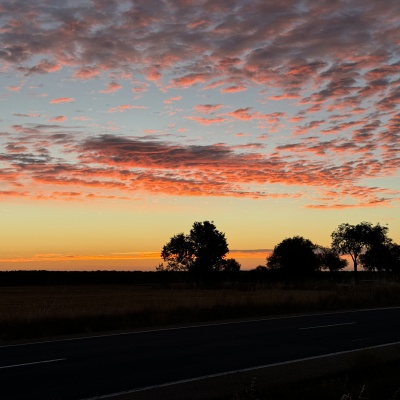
(189, 80)
(125, 107)
(30, 115)
(82, 118)
(297, 118)
(214, 85)
(207, 108)
(172, 99)
(12, 193)
(153, 74)
(234, 89)
(43, 67)
(112, 87)
(140, 89)
(62, 100)
(14, 88)
(241, 134)
(285, 96)
(60, 118)
(202, 23)
(86, 73)
(207, 121)
(242, 114)
(24, 129)
(308, 127)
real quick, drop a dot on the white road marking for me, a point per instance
(32, 363)
(176, 328)
(200, 378)
(328, 326)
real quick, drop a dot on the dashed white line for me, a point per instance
(32, 363)
(328, 326)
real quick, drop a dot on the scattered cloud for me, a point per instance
(316, 83)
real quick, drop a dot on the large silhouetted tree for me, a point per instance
(294, 257)
(355, 240)
(201, 252)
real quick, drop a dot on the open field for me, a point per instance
(45, 311)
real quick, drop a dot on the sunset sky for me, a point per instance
(123, 122)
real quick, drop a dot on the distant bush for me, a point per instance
(295, 257)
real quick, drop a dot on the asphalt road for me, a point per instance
(88, 367)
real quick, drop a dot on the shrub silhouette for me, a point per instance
(294, 257)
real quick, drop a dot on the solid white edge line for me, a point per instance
(32, 363)
(199, 378)
(327, 326)
(203, 325)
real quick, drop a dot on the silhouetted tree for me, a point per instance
(382, 257)
(261, 273)
(330, 260)
(178, 253)
(356, 239)
(200, 252)
(230, 265)
(294, 257)
(261, 268)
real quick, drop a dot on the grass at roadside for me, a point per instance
(367, 381)
(44, 311)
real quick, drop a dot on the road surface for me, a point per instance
(81, 368)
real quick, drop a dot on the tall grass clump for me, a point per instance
(364, 381)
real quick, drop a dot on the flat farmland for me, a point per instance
(48, 311)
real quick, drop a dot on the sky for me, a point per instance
(124, 121)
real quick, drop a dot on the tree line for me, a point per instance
(203, 252)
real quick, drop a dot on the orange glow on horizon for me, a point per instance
(80, 257)
(139, 261)
(249, 254)
(139, 255)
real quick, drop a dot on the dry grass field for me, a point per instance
(47, 311)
